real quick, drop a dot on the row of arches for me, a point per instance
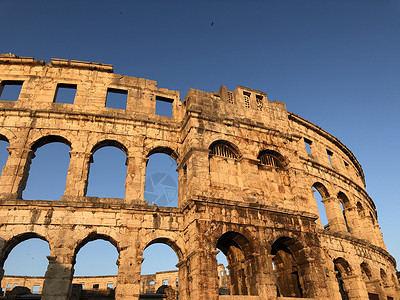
(339, 213)
(49, 162)
(289, 269)
(378, 285)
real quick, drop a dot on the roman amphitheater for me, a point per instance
(248, 170)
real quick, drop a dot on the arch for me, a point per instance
(50, 139)
(4, 138)
(360, 209)
(344, 199)
(366, 271)
(321, 189)
(272, 158)
(241, 264)
(343, 266)
(345, 204)
(14, 241)
(169, 242)
(92, 236)
(111, 143)
(164, 150)
(287, 254)
(225, 149)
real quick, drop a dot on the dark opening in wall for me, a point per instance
(10, 90)
(330, 154)
(65, 93)
(308, 144)
(164, 106)
(246, 96)
(117, 98)
(96, 286)
(259, 100)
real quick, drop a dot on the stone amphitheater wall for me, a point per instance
(245, 188)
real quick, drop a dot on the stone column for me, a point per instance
(355, 286)
(183, 279)
(353, 220)
(15, 172)
(203, 275)
(334, 214)
(78, 173)
(58, 278)
(128, 279)
(313, 280)
(135, 179)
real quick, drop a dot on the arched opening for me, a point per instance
(161, 186)
(372, 283)
(224, 166)
(342, 270)
(48, 169)
(344, 204)
(4, 143)
(320, 194)
(237, 251)
(24, 262)
(107, 170)
(271, 158)
(95, 267)
(159, 274)
(286, 269)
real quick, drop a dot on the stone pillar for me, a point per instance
(183, 279)
(203, 275)
(15, 173)
(353, 220)
(334, 214)
(78, 173)
(355, 287)
(135, 179)
(312, 279)
(128, 279)
(58, 278)
(198, 175)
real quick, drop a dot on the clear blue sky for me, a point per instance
(335, 63)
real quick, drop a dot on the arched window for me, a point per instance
(344, 203)
(223, 149)
(161, 186)
(48, 169)
(342, 270)
(158, 271)
(237, 251)
(25, 255)
(108, 170)
(4, 143)
(286, 269)
(270, 158)
(321, 193)
(96, 256)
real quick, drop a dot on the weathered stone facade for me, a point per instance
(245, 188)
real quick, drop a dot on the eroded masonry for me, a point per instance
(248, 170)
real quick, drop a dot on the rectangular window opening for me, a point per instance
(9, 285)
(230, 97)
(346, 164)
(246, 99)
(116, 98)
(330, 154)
(259, 100)
(110, 286)
(65, 93)
(96, 286)
(308, 145)
(165, 282)
(10, 90)
(164, 106)
(152, 282)
(36, 289)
